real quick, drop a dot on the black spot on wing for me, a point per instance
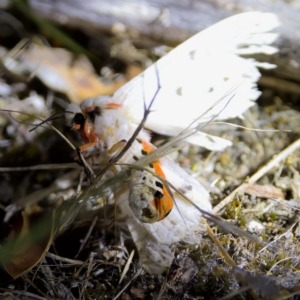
(185, 189)
(159, 184)
(143, 152)
(158, 195)
(135, 158)
(189, 187)
(151, 166)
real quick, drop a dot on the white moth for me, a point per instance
(193, 77)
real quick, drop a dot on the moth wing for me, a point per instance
(199, 72)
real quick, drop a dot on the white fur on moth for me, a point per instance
(193, 77)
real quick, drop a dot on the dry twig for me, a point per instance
(272, 163)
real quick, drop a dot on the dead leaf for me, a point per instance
(133, 71)
(264, 191)
(62, 71)
(24, 249)
(137, 292)
(187, 275)
(112, 254)
(264, 285)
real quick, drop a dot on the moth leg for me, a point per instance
(84, 150)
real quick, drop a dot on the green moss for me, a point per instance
(225, 241)
(281, 255)
(219, 272)
(273, 216)
(264, 237)
(243, 221)
(205, 251)
(270, 261)
(233, 210)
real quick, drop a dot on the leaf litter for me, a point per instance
(267, 207)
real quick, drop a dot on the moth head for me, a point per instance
(75, 117)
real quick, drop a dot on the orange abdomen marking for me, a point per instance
(162, 202)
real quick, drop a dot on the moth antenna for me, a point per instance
(22, 113)
(55, 116)
(42, 122)
(88, 170)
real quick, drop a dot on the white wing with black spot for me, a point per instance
(199, 72)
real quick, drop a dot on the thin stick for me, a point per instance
(34, 286)
(227, 257)
(279, 237)
(236, 293)
(76, 274)
(89, 269)
(137, 274)
(126, 268)
(261, 172)
(87, 236)
(165, 281)
(280, 261)
(65, 259)
(249, 128)
(22, 293)
(147, 111)
(40, 167)
(85, 164)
